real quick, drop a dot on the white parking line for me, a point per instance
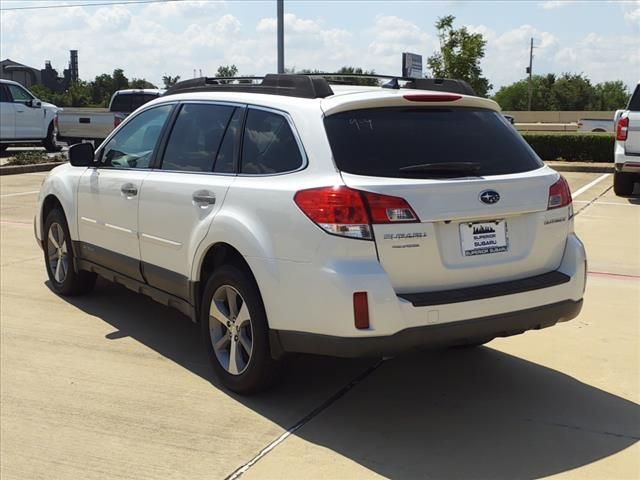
(589, 185)
(19, 194)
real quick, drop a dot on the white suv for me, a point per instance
(297, 216)
(26, 120)
(627, 147)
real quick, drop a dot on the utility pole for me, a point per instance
(280, 36)
(530, 70)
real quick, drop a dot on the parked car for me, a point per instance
(96, 124)
(627, 146)
(24, 119)
(595, 125)
(298, 216)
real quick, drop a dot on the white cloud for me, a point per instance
(631, 13)
(555, 4)
(391, 36)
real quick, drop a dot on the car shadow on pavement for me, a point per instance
(475, 413)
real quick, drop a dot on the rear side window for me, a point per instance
(634, 103)
(196, 137)
(129, 102)
(269, 145)
(396, 142)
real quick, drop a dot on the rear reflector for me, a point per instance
(348, 212)
(361, 310)
(432, 98)
(622, 129)
(559, 194)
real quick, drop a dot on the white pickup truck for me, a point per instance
(24, 119)
(595, 125)
(77, 124)
(627, 146)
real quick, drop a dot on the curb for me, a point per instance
(595, 168)
(39, 167)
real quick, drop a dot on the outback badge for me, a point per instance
(489, 197)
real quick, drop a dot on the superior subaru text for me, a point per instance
(293, 215)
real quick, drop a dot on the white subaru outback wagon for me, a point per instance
(294, 215)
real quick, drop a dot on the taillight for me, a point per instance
(117, 121)
(559, 194)
(622, 129)
(55, 122)
(348, 212)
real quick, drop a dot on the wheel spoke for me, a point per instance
(65, 267)
(234, 358)
(63, 246)
(222, 343)
(217, 313)
(52, 239)
(243, 315)
(58, 273)
(245, 341)
(232, 301)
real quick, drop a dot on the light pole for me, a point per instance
(280, 36)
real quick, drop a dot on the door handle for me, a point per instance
(203, 198)
(129, 190)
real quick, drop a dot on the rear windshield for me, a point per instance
(128, 102)
(634, 103)
(381, 142)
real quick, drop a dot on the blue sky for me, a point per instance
(600, 39)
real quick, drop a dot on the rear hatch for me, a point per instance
(480, 194)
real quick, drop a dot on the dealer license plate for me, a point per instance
(483, 238)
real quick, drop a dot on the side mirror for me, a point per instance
(81, 154)
(34, 103)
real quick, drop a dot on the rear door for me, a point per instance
(479, 191)
(181, 196)
(108, 194)
(632, 144)
(7, 115)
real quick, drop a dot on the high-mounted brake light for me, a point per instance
(422, 97)
(348, 212)
(622, 129)
(559, 194)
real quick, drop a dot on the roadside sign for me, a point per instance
(412, 65)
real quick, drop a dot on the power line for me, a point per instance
(102, 4)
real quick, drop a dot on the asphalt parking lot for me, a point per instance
(115, 386)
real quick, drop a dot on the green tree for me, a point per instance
(358, 71)
(140, 83)
(170, 81)
(120, 82)
(227, 71)
(611, 95)
(101, 89)
(459, 56)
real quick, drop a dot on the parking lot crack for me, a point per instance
(303, 421)
(583, 429)
(592, 201)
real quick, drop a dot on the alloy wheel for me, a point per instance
(230, 329)
(57, 253)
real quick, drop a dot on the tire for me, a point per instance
(242, 331)
(3, 148)
(59, 260)
(51, 142)
(623, 183)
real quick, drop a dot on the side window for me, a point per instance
(4, 94)
(226, 160)
(19, 94)
(196, 136)
(269, 145)
(133, 145)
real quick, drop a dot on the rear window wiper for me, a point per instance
(443, 167)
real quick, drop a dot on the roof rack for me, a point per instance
(290, 85)
(312, 85)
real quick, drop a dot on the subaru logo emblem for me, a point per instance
(489, 197)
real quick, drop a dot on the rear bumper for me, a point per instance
(625, 162)
(429, 336)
